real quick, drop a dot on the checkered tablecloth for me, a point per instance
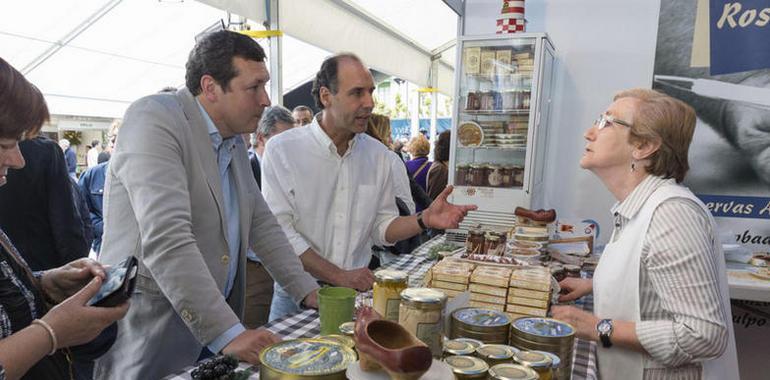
(306, 324)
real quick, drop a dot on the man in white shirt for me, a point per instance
(92, 156)
(329, 185)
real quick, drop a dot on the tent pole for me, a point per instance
(276, 77)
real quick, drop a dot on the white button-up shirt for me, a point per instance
(337, 205)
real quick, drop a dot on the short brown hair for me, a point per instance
(379, 127)
(22, 106)
(661, 118)
(419, 146)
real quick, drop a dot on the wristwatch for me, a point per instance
(604, 327)
(420, 222)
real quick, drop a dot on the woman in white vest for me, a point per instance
(661, 301)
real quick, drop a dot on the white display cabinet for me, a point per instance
(503, 90)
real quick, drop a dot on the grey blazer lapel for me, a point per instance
(202, 142)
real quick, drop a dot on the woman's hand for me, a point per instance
(574, 288)
(583, 321)
(64, 281)
(75, 323)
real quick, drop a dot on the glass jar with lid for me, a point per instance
(475, 242)
(386, 292)
(467, 367)
(422, 313)
(477, 175)
(461, 174)
(518, 176)
(512, 372)
(493, 245)
(496, 353)
(572, 270)
(506, 172)
(538, 361)
(494, 175)
(458, 347)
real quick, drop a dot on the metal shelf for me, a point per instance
(496, 112)
(519, 149)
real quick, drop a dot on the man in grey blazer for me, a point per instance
(180, 195)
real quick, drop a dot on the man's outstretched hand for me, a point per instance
(443, 215)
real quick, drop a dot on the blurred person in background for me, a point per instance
(70, 158)
(259, 283)
(419, 165)
(439, 170)
(91, 184)
(92, 155)
(303, 115)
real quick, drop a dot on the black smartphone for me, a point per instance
(118, 284)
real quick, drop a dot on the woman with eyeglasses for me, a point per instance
(41, 313)
(661, 301)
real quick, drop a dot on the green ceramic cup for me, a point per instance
(335, 307)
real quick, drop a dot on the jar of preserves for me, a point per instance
(538, 361)
(518, 176)
(487, 101)
(494, 175)
(458, 347)
(572, 271)
(525, 99)
(461, 174)
(472, 103)
(467, 367)
(493, 245)
(422, 314)
(512, 372)
(474, 243)
(495, 354)
(386, 293)
(558, 273)
(506, 171)
(476, 175)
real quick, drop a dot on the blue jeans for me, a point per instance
(282, 304)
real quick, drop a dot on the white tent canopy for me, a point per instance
(94, 57)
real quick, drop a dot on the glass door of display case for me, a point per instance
(502, 104)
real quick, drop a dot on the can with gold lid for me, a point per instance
(458, 347)
(422, 313)
(538, 361)
(341, 339)
(305, 359)
(512, 372)
(480, 320)
(467, 367)
(473, 342)
(386, 292)
(496, 353)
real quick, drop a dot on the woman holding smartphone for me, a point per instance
(41, 313)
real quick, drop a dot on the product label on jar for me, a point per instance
(430, 334)
(391, 309)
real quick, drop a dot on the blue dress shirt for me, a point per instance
(223, 149)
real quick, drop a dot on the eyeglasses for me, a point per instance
(605, 120)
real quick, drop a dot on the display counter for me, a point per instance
(306, 324)
(744, 285)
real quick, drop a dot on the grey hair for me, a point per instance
(271, 116)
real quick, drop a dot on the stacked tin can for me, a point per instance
(549, 335)
(486, 325)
